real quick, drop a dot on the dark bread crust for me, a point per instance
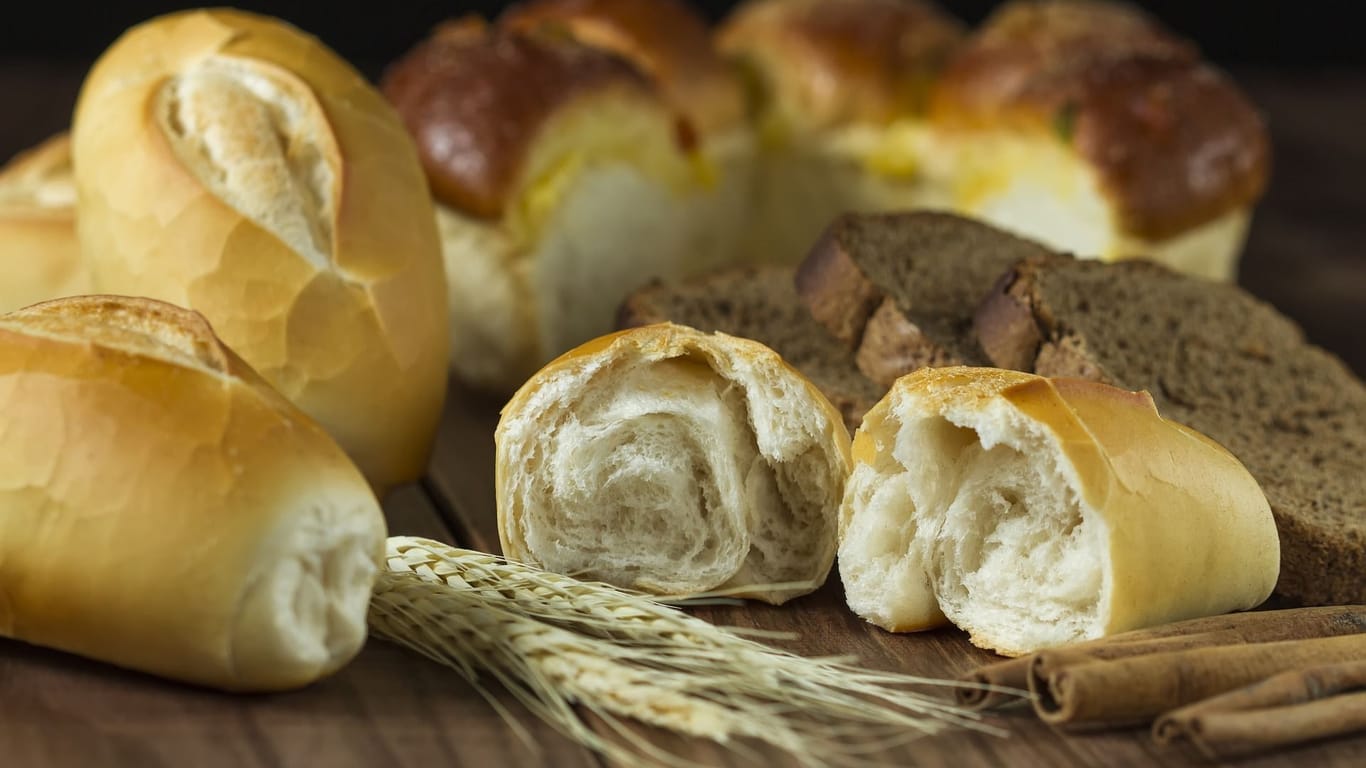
(474, 99)
(1174, 143)
(828, 62)
(666, 39)
(1226, 364)
(759, 304)
(901, 288)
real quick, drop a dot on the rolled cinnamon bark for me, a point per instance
(1229, 629)
(1289, 708)
(1074, 689)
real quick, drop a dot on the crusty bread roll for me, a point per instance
(163, 509)
(840, 89)
(229, 163)
(1034, 512)
(675, 461)
(40, 257)
(1088, 127)
(564, 180)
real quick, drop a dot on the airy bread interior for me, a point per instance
(257, 137)
(678, 475)
(976, 514)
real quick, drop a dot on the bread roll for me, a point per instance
(564, 180)
(666, 39)
(1088, 127)
(1035, 512)
(229, 163)
(163, 509)
(840, 89)
(40, 256)
(674, 461)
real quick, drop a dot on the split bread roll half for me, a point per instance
(1036, 512)
(229, 163)
(163, 509)
(673, 461)
(40, 257)
(565, 178)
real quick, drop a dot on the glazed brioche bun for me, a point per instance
(1090, 128)
(229, 163)
(564, 180)
(674, 461)
(165, 510)
(40, 256)
(839, 94)
(1036, 512)
(665, 39)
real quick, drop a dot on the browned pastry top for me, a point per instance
(1174, 142)
(666, 39)
(826, 62)
(475, 98)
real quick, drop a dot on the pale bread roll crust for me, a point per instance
(229, 163)
(163, 509)
(1034, 512)
(40, 257)
(674, 461)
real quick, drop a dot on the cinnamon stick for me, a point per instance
(1230, 629)
(1289, 708)
(1072, 688)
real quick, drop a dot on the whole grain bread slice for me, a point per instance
(900, 289)
(1223, 362)
(759, 304)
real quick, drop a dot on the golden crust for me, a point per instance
(475, 99)
(1188, 531)
(40, 256)
(828, 62)
(666, 39)
(354, 334)
(127, 422)
(1173, 142)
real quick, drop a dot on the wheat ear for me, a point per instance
(555, 642)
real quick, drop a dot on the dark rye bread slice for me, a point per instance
(759, 304)
(900, 289)
(1217, 359)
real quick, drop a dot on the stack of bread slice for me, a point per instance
(900, 292)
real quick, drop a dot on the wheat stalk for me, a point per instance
(554, 642)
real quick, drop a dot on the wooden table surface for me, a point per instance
(1307, 255)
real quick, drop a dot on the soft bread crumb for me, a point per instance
(974, 514)
(257, 137)
(672, 469)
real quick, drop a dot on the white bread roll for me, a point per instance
(839, 93)
(229, 163)
(1035, 512)
(40, 257)
(163, 509)
(1090, 128)
(564, 180)
(673, 461)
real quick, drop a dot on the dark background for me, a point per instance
(1277, 33)
(1302, 63)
